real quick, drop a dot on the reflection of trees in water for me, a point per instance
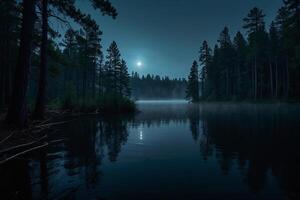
(114, 134)
(260, 140)
(80, 150)
(159, 115)
(87, 142)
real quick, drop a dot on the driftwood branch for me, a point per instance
(22, 145)
(57, 141)
(51, 124)
(23, 152)
(2, 141)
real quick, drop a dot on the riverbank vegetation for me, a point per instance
(263, 65)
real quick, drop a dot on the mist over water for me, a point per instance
(159, 101)
(205, 151)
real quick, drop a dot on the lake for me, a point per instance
(170, 150)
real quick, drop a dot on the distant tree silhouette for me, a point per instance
(157, 87)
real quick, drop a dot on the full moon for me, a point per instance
(139, 64)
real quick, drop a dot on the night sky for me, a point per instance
(165, 35)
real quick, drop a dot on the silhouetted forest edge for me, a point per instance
(260, 63)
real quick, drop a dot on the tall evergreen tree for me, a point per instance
(205, 60)
(124, 80)
(242, 76)
(282, 19)
(100, 75)
(293, 45)
(39, 111)
(17, 112)
(9, 35)
(226, 58)
(192, 92)
(254, 24)
(273, 59)
(112, 69)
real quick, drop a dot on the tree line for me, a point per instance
(32, 58)
(157, 87)
(264, 64)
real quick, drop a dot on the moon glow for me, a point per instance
(139, 64)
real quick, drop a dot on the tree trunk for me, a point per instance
(238, 91)
(94, 80)
(40, 105)
(271, 80)
(276, 80)
(255, 79)
(2, 73)
(100, 89)
(17, 112)
(287, 79)
(84, 83)
(227, 83)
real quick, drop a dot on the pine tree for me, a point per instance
(226, 58)
(113, 69)
(205, 59)
(242, 76)
(124, 80)
(254, 20)
(17, 112)
(282, 20)
(94, 52)
(254, 24)
(100, 75)
(273, 56)
(40, 105)
(9, 32)
(192, 92)
(293, 46)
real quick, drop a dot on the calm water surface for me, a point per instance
(171, 150)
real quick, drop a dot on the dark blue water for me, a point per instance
(171, 150)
